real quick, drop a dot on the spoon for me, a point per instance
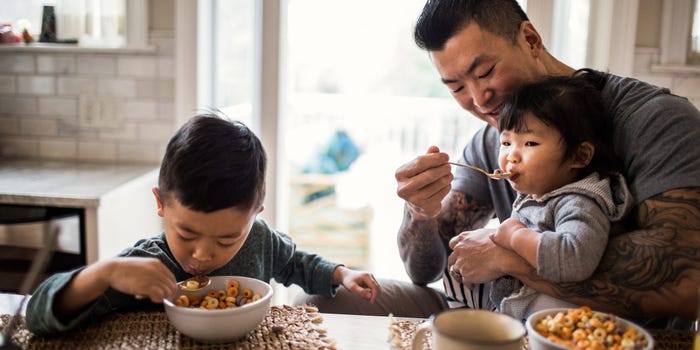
(497, 175)
(191, 284)
(194, 283)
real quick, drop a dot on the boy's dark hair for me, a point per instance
(212, 163)
(573, 106)
(442, 19)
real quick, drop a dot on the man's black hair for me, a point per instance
(440, 20)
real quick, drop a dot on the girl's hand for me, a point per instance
(359, 282)
(505, 232)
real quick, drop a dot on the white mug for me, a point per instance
(471, 329)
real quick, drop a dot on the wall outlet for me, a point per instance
(101, 111)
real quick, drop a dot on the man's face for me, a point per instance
(481, 68)
(203, 242)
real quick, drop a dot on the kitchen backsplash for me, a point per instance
(126, 98)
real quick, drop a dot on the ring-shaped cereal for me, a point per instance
(247, 293)
(182, 300)
(232, 284)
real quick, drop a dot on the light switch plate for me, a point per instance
(101, 111)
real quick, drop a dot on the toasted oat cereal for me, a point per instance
(219, 299)
(584, 329)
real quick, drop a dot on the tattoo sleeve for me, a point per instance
(423, 245)
(653, 270)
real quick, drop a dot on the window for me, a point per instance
(92, 23)
(694, 54)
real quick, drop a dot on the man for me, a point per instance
(483, 51)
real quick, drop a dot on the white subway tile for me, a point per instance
(166, 111)
(125, 132)
(142, 110)
(61, 64)
(97, 65)
(76, 86)
(166, 89)
(147, 89)
(61, 106)
(10, 63)
(166, 67)
(21, 147)
(155, 131)
(9, 126)
(19, 105)
(116, 87)
(38, 127)
(98, 151)
(141, 153)
(39, 85)
(137, 66)
(8, 84)
(58, 149)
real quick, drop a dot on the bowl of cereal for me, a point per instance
(581, 328)
(224, 311)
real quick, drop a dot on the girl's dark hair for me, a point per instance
(212, 163)
(573, 106)
(442, 19)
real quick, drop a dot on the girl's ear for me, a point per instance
(583, 155)
(159, 203)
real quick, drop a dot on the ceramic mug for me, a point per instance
(471, 329)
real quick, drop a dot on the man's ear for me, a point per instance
(583, 155)
(532, 38)
(159, 203)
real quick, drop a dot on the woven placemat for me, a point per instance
(401, 334)
(284, 327)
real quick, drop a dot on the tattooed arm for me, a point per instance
(423, 244)
(432, 215)
(650, 272)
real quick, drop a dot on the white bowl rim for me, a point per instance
(553, 311)
(196, 310)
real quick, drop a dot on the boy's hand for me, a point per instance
(359, 282)
(147, 277)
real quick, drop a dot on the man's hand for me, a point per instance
(478, 260)
(424, 182)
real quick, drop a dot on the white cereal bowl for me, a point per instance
(221, 325)
(539, 342)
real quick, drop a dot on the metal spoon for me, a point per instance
(191, 284)
(194, 283)
(497, 175)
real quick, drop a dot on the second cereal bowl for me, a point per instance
(221, 325)
(539, 342)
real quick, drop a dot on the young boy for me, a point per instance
(210, 189)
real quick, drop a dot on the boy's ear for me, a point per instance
(583, 155)
(159, 203)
